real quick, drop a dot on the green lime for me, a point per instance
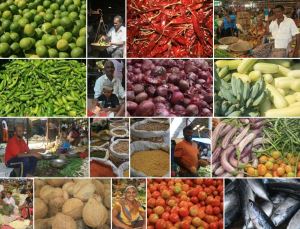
(6, 24)
(82, 32)
(68, 2)
(47, 27)
(77, 52)
(59, 37)
(29, 16)
(62, 45)
(14, 36)
(17, 18)
(72, 8)
(77, 2)
(33, 24)
(29, 30)
(48, 17)
(55, 22)
(3, 6)
(22, 4)
(13, 9)
(60, 30)
(53, 53)
(63, 8)
(26, 43)
(39, 42)
(14, 27)
(67, 36)
(54, 6)
(39, 33)
(23, 21)
(4, 49)
(64, 14)
(38, 19)
(15, 47)
(40, 9)
(46, 4)
(49, 11)
(5, 38)
(50, 40)
(72, 45)
(41, 51)
(81, 42)
(1, 30)
(73, 16)
(75, 30)
(80, 23)
(63, 55)
(7, 14)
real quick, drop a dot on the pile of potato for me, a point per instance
(72, 203)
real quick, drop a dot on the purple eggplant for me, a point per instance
(228, 138)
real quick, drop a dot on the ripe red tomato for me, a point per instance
(183, 212)
(159, 210)
(165, 216)
(209, 210)
(155, 194)
(202, 195)
(194, 211)
(196, 221)
(165, 194)
(185, 224)
(149, 211)
(194, 200)
(174, 218)
(160, 202)
(213, 226)
(153, 218)
(151, 202)
(160, 224)
(216, 210)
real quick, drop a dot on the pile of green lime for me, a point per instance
(43, 28)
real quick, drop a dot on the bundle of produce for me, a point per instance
(43, 88)
(39, 28)
(185, 203)
(72, 204)
(252, 87)
(169, 88)
(267, 203)
(170, 28)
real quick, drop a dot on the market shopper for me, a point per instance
(284, 31)
(108, 100)
(128, 212)
(18, 154)
(187, 154)
(109, 78)
(116, 37)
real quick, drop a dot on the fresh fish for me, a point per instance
(278, 198)
(232, 207)
(295, 221)
(246, 194)
(285, 210)
(259, 217)
(259, 188)
(267, 207)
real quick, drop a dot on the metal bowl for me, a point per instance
(58, 163)
(49, 156)
(71, 154)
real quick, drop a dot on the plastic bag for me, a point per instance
(123, 167)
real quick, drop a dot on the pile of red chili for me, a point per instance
(170, 28)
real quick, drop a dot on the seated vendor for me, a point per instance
(27, 207)
(18, 154)
(128, 212)
(108, 101)
(186, 154)
(9, 200)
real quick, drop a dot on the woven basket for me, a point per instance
(241, 47)
(228, 40)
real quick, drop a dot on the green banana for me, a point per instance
(259, 99)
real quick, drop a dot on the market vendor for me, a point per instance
(186, 154)
(18, 154)
(128, 213)
(116, 37)
(109, 79)
(27, 208)
(284, 31)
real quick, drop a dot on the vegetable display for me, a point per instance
(169, 87)
(34, 29)
(267, 203)
(253, 87)
(72, 204)
(170, 28)
(185, 203)
(43, 88)
(256, 148)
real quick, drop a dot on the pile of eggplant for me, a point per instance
(262, 203)
(233, 145)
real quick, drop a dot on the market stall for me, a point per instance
(100, 21)
(16, 204)
(106, 97)
(109, 147)
(200, 140)
(248, 28)
(149, 147)
(60, 145)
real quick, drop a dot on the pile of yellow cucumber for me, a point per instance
(279, 98)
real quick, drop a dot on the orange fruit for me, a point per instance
(269, 165)
(263, 159)
(288, 169)
(261, 169)
(280, 171)
(268, 174)
(251, 171)
(276, 154)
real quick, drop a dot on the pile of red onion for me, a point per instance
(166, 87)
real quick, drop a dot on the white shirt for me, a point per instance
(283, 33)
(117, 36)
(118, 90)
(118, 69)
(9, 201)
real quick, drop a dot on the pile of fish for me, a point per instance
(262, 203)
(233, 143)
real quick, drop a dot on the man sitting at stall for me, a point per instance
(18, 154)
(110, 79)
(186, 154)
(284, 31)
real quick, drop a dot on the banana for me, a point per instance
(234, 86)
(239, 89)
(227, 94)
(258, 100)
(246, 91)
(230, 109)
(235, 114)
(254, 90)
(249, 102)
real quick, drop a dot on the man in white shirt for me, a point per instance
(117, 38)
(283, 30)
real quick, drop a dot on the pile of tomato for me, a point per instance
(185, 203)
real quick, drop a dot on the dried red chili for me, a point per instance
(170, 28)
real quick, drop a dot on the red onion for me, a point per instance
(138, 88)
(177, 97)
(186, 101)
(174, 78)
(192, 110)
(130, 95)
(162, 112)
(158, 71)
(162, 91)
(183, 85)
(150, 90)
(131, 106)
(159, 99)
(141, 97)
(179, 110)
(147, 64)
(145, 108)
